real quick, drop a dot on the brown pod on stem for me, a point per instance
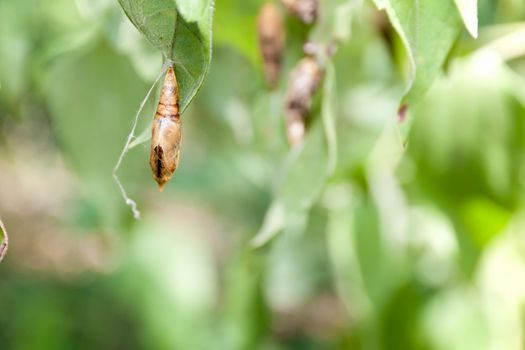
(166, 132)
(270, 30)
(305, 10)
(302, 85)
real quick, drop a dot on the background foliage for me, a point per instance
(374, 234)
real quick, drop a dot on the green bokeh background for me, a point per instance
(415, 240)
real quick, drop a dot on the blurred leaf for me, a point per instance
(296, 265)
(15, 47)
(304, 174)
(472, 155)
(306, 168)
(246, 315)
(428, 29)
(342, 249)
(328, 112)
(468, 10)
(484, 219)
(408, 301)
(233, 21)
(89, 97)
(458, 318)
(379, 270)
(274, 221)
(4, 242)
(182, 31)
(334, 22)
(169, 279)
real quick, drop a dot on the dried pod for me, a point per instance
(166, 132)
(270, 30)
(302, 85)
(306, 10)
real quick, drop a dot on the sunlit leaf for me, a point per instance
(468, 10)
(483, 219)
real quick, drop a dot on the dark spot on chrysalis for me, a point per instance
(159, 153)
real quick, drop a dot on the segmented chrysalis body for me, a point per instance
(166, 132)
(305, 10)
(302, 85)
(270, 30)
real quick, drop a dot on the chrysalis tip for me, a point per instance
(161, 186)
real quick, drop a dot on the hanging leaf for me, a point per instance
(428, 29)
(181, 30)
(3, 240)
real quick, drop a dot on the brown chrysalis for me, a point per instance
(305, 10)
(270, 30)
(303, 83)
(166, 132)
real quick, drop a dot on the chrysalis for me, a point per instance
(270, 29)
(166, 132)
(302, 85)
(306, 10)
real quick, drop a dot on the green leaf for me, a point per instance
(306, 169)
(245, 312)
(3, 240)
(304, 175)
(89, 96)
(428, 29)
(328, 111)
(468, 9)
(155, 19)
(182, 31)
(340, 202)
(233, 21)
(484, 219)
